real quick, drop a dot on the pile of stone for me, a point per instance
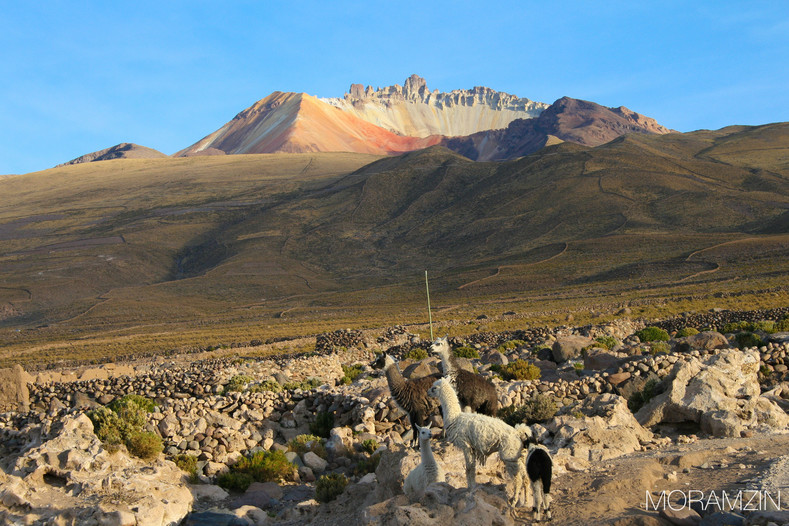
(341, 339)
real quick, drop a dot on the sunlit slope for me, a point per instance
(220, 239)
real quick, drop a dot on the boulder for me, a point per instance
(721, 394)
(598, 428)
(707, 341)
(73, 457)
(600, 360)
(568, 347)
(14, 395)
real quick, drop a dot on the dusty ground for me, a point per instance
(614, 492)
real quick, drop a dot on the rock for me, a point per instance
(78, 459)
(497, 358)
(257, 516)
(707, 340)
(209, 492)
(778, 337)
(608, 429)
(568, 347)
(723, 518)
(617, 379)
(599, 359)
(765, 518)
(14, 395)
(213, 518)
(263, 495)
(682, 517)
(721, 394)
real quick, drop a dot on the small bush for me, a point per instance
(303, 443)
(782, 325)
(238, 383)
(517, 370)
(748, 339)
(653, 334)
(606, 342)
(235, 481)
(416, 354)
(538, 408)
(686, 331)
(370, 445)
(737, 326)
(767, 326)
(638, 399)
(510, 345)
(579, 367)
(188, 464)
(351, 373)
(145, 445)
(660, 348)
(146, 404)
(366, 465)
(466, 352)
(269, 385)
(266, 466)
(324, 422)
(329, 487)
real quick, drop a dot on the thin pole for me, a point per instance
(429, 313)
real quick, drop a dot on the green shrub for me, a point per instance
(517, 370)
(767, 326)
(266, 466)
(146, 404)
(606, 342)
(329, 487)
(351, 373)
(122, 422)
(538, 408)
(638, 399)
(510, 345)
(145, 445)
(238, 383)
(303, 443)
(268, 385)
(235, 481)
(653, 334)
(579, 367)
(416, 354)
(466, 352)
(370, 445)
(324, 422)
(366, 465)
(686, 331)
(188, 464)
(748, 339)
(660, 348)
(782, 325)
(737, 326)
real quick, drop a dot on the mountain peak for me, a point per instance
(124, 150)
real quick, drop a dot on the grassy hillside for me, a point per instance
(115, 257)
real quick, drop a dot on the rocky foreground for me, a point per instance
(631, 417)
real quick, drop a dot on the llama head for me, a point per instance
(383, 361)
(440, 346)
(424, 432)
(437, 387)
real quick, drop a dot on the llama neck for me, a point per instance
(395, 379)
(450, 406)
(427, 454)
(448, 364)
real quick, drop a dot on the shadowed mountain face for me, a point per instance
(199, 238)
(567, 119)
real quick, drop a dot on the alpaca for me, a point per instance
(537, 465)
(427, 472)
(479, 435)
(409, 394)
(475, 392)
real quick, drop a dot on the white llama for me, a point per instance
(427, 472)
(480, 435)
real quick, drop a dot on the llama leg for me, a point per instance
(514, 471)
(471, 468)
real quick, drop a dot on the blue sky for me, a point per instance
(79, 76)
